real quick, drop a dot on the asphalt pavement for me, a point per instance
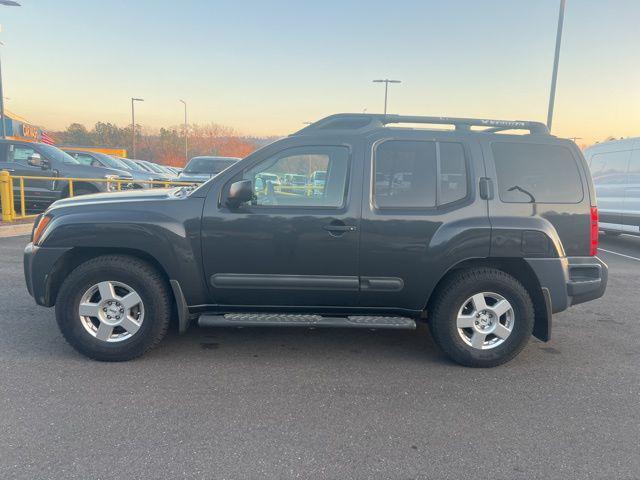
(299, 403)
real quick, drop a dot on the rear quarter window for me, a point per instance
(529, 172)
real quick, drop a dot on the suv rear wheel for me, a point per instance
(113, 308)
(482, 317)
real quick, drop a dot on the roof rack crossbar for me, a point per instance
(367, 121)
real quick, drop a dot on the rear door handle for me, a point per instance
(486, 188)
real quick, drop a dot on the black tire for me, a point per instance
(451, 297)
(143, 278)
(82, 190)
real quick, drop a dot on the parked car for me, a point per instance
(615, 167)
(265, 182)
(41, 160)
(150, 167)
(317, 181)
(294, 183)
(200, 169)
(97, 159)
(489, 235)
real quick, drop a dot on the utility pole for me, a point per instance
(386, 82)
(6, 3)
(186, 145)
(556, 60)
(4, 127)
(133, 125)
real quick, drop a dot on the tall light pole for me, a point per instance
(3, 130)
(186, 145)
(133, 125)
(4, 127)
(556, 60)
(386, 82)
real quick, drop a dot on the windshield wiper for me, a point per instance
(522, 190)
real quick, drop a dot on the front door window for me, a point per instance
(301, 177)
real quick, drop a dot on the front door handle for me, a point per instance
(337, 228)
(10, 170)
(340, 228)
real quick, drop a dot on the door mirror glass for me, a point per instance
(240, 192)
(36, 160)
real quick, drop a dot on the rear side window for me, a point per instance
(419, 174)
(536, 173)
(610, 168)
(634, 168)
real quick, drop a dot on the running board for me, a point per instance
(296, 320)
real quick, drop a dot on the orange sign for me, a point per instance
(29, 131)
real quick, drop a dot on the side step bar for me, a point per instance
(296, 320)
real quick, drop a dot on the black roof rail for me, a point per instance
(368, 121)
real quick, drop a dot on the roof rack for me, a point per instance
(368, 121)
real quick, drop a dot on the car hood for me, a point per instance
(143, 175)
(87, 171)
(117, 197)
(195, 177)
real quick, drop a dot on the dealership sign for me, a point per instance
(21, 130)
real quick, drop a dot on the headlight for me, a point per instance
(111, 186)
(39, 228)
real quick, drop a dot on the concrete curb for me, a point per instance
(15, 230)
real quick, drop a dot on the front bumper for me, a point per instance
(39, 268)
(570, 280)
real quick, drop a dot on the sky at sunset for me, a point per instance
(265, 67)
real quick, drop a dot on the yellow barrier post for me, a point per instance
(5, 196)
(70, 188)
(22, 203)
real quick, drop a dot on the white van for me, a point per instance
(615, 167)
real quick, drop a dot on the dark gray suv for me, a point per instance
(42, 160)
(480, 233)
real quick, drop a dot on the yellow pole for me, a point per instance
(5, 196)
(22, 205)
(71, 188)
(12, 204)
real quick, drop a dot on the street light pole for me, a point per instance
(7, 3)
(4, 128)
(186, 145)
(556, 60)
(133, 125)
(386, 82)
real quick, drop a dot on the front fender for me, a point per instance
(168, 231)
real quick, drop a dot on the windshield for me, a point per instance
(144, 166)
(112, 162)
(55, 153)
(154, 168)
(209, 165)
(132, 165)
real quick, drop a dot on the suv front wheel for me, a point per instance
(113, 308)
(482, 317)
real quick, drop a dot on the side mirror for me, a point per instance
(35, 160)
(239, 192)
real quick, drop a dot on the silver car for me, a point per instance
(615, 167)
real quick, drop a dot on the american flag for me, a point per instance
(45, 138)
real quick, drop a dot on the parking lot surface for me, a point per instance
(299, 403)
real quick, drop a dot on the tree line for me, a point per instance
(164, 146)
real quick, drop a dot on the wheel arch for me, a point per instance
(517, 268)
(78, 255)
(79, 184)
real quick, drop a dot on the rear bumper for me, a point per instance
(570, 280)
(39, 266)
